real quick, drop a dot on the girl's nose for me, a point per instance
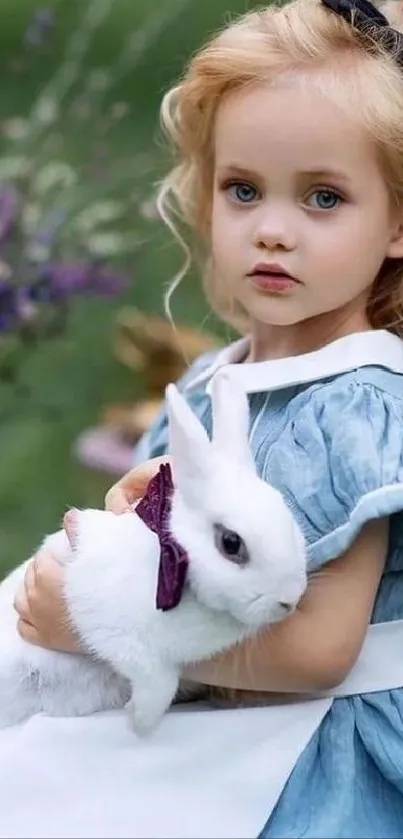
(274, 232)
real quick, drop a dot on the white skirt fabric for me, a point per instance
(203, 772)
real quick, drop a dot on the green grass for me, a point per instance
(72, 378)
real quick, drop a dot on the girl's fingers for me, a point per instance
(22, 600)
(30, 577)
(122, 495)
(21, 605)
(117, 501)
(28, 632)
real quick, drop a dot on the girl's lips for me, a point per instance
(273, 282)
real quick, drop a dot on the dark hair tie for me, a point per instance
(370, 22)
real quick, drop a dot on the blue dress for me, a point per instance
(327, 430)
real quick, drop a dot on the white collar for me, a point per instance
(361, 349)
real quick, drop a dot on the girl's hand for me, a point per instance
(42, 615)
(129, 489)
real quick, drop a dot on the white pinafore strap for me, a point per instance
(379, 665)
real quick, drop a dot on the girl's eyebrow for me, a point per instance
(322, 173)
(235, 169)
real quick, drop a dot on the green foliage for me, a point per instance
(135, 53)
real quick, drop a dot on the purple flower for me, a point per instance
(44, 16)
(9, 203)
(107, 281)
(65, 278)
(41, 291)
(68, 278)
(42, 23)
(45, 235)
(8, 306)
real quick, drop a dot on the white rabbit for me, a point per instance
(246, 569)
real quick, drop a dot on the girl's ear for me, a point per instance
(230, 408)
(395, 247)
(189, 445)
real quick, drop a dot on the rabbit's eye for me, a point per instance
(230, 544)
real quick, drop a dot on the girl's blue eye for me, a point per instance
(244, 193)
(325, 199)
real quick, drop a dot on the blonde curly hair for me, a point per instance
(300, 36)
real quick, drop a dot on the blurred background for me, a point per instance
(84, 260)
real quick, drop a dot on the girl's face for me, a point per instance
(298, 186)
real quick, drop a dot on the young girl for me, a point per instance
(289, 131)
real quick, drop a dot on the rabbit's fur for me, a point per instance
(137, 652)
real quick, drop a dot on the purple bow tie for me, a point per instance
(154, 509)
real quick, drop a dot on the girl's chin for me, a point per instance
(274, 316)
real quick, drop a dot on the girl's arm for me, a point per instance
(316, 647)
(312, 650)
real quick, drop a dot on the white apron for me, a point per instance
(206, 773)
(202, 773)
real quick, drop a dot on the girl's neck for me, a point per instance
(269, 342)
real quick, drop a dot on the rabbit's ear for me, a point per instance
(231, 418)
(190, 446)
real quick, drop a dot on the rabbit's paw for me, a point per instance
(151, 697)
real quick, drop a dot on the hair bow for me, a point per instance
(154, 509)
(368, 20)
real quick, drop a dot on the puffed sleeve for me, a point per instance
(154, 442)
(339, 464)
